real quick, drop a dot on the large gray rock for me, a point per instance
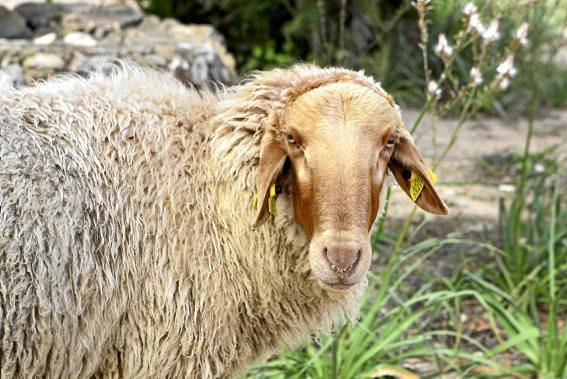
(12, 25)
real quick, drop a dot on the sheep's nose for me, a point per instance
(342, 257)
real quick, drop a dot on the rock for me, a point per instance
(126, 16)
(84, 65)
(167, 51)
(219, 72)
(12, 76)
(154, 60)
(40, 15)
(44, 61)
(46, 39)
(12, 25)
(151, 23)
(80, 39)
(199, 71)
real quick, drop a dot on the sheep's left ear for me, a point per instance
(406, 163)
(272, 160)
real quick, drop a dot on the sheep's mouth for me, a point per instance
(339, 286)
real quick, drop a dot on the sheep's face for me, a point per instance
(330, 152)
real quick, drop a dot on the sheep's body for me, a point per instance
(125, 240)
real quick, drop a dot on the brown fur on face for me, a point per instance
(340, 140)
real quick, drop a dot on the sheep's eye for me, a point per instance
(290, 138)
(391, 142)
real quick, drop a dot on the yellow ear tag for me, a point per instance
(416, 186)
(416, 183)
(272, 200)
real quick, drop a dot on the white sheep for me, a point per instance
(126, 246)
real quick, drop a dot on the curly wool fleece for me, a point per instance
(125, 240)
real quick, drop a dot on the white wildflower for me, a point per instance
(507, 66)
(506, 71)
(470, 9)
(443, 48)
(476, 77)
(522, 34)
(475, 23)
(491, 33)
(539, 168)
(504, 83)
(433, 88)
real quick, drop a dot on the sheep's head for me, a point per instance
(330, 151)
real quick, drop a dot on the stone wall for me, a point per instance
(38, 40)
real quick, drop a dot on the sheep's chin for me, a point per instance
(338, 286)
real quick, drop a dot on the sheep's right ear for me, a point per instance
(272, 160)
(407, 162)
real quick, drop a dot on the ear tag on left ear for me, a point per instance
(255, 202)
(272, 200)
(417, 183)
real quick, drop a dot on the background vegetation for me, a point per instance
(503, 310)
(380, 36)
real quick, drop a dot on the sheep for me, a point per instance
(128, 243)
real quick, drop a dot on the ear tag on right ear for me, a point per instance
(272, 200)
(255, 202)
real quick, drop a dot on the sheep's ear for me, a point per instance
(406, 161)
(272, 160)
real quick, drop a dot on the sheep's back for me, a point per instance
(80, 164)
